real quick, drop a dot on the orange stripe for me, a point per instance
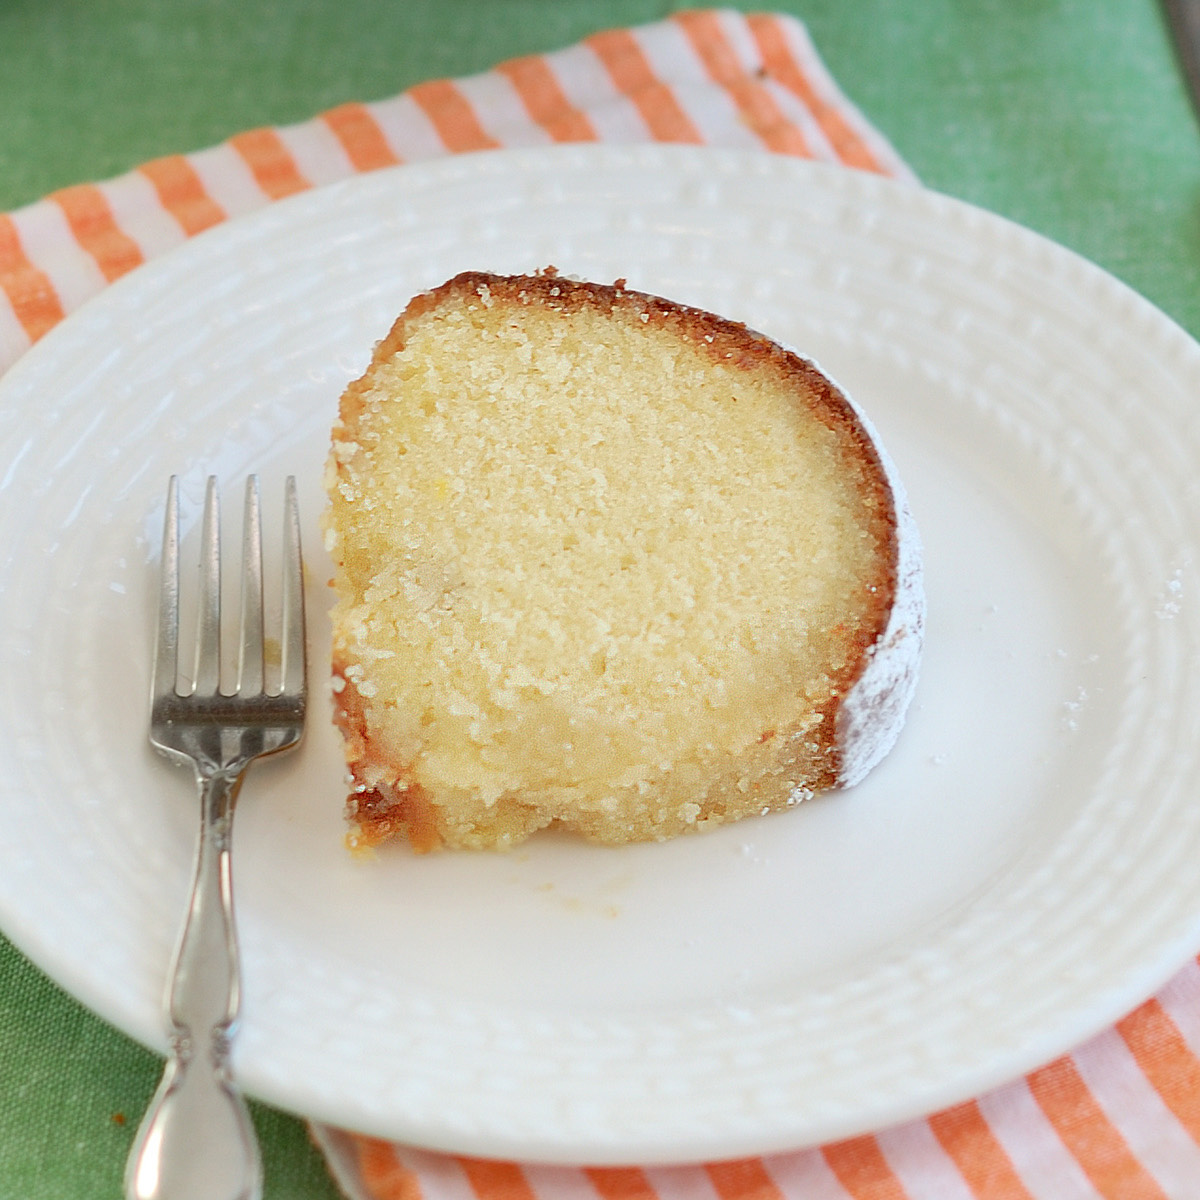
(621, 1183)
(182, 194)
(29, 290)
(746, 1179)
(361, 137)
(452, 116)
(755, 103)
(1166, 1060)
(967, 1138)
(862, 1170)
(270, 162)
(545, 101)
(782, 66)
(492, 1180)
(91, 221)
(626, 65)
(383, 1174)
(1088, 1134)
(703, 28)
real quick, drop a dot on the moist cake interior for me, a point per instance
(598, 562)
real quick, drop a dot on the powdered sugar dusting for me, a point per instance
(873, 712)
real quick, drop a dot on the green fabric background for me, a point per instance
(1065, 115)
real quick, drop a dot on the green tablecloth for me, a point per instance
(1065, 115)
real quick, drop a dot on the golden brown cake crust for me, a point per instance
(783, 764)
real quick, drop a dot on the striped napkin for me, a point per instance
(1119, 1117)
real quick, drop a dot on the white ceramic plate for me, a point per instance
(1018, 873)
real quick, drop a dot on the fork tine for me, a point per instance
(166, 646)
(292, 638)
(250, 654)
(208, 627)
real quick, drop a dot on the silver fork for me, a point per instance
(196, 1139)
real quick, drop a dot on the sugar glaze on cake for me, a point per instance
(607, 562)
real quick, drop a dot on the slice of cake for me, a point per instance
(608, 563)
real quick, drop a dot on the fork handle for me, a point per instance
(196, 1141)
